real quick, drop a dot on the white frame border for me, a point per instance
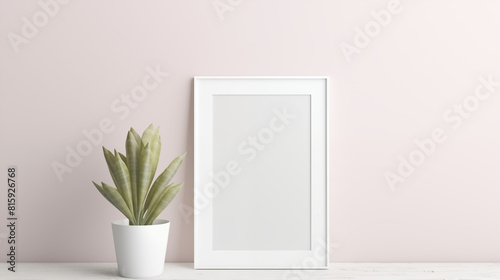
(204, 256)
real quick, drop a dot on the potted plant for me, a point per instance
(141, 239)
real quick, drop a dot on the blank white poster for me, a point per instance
(262, 165)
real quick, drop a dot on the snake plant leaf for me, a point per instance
(151, 199)
(124, 158)
(155, 145)
(99, 188)
(110, 161)
(136, 135)
(135, 195)
(163, 180)
(143, 181)
(151, 136)
(119, 174)
(123, 179)
(148, 134)
(133, 150)
(114, 197)
(166, 197)
(118, 201)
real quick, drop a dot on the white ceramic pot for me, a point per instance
(140, 250)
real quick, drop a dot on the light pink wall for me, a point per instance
(388, 91)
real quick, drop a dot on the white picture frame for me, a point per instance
(261, 172)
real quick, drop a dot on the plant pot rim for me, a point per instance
(125, 223)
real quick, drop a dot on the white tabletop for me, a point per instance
(344, 271)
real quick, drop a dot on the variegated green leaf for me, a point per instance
(148, 134)
(136, 135)
(163, 180)
(119, 173)
(165, 198)
(133, 150)
(151, 136)
(123, 183)
(124, 158)
(143, 181)
(110, 160)
(155, 146)
(115, 198)
(133, 174)
(151, 199)
(99, 188)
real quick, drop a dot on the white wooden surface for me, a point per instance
(344, 271)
